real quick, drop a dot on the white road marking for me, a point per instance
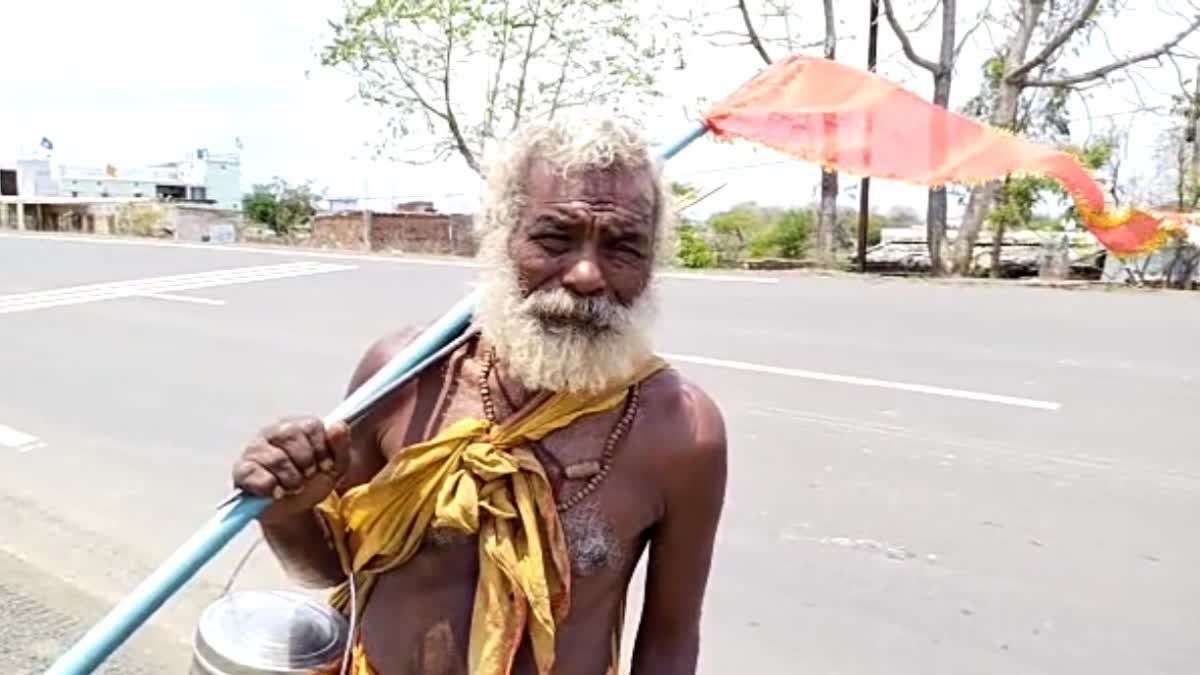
(266, 249)
(734, 278)
(76, 295)
(930, 390)
(182, 298)
(14, 438)
(394, 259)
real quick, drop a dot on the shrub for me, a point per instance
(693, 251)
(141, 220)
(792, 233)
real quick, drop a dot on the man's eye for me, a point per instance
(628, 248)
(553, 241)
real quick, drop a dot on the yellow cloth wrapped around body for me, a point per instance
(479, 478)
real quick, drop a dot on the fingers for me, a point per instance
(299, 441)
(252, 477)
(318, 437)
(292, 455)
(303, 441)
(284, 465)
(337, 438)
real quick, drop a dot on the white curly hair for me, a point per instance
(572, 145)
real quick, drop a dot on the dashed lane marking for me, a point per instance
(358, 257)
(16, 439)
(929, 390)
(161, 285)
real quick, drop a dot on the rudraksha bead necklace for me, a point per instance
(619, 430)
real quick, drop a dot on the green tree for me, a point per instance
(741, 223)
(736, 230)
(848, 227)
(791, 236)
(683, 191)
(420, 62)
(693, 251)
(1016, 200)
(280, 205)
(1017, 197)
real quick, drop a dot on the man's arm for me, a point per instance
(299, 540)
(681, 546)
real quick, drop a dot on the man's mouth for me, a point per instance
(559, 311)
(579, 322)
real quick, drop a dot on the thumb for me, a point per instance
(338, 437)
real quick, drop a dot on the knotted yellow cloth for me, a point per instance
(479, 478)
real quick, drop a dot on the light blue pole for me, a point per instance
(122, 621)
(675, 148)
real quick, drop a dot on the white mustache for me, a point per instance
(558, 304)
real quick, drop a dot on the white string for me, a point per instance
(353, 626)
(237, 570)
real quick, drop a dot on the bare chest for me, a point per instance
(604, 506)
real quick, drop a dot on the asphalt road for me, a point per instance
(924, 478)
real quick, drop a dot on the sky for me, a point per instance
(133, 82)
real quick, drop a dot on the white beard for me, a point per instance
(559, 342)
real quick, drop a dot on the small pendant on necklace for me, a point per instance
(582, 470)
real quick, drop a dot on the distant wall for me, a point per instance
(343, 229)
(399, 232)
(196, 223)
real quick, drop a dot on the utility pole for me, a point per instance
(1194, 112)
(864, 197)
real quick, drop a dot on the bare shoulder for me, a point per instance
(366, 455)
(686, 423)
(381, 351)
(688, 462)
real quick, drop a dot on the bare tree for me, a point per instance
(423, 64)
(1176, 183)
(1017, 72)
(827, 213)
(942, 71)
(782, 13)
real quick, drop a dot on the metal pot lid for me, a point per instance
(269, 633)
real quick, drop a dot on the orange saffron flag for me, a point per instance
(853, 121)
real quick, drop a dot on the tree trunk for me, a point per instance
(963, 255)
(827, 213)
(997, 250)
(827, 219)
(935, 229)
(1194, 178)
(943, 76)
(998, 240)
(1004, 116)
(935, 215)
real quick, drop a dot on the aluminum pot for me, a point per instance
(268, 633)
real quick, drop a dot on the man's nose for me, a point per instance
(583, 277)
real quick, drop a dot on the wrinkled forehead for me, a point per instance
(629, 188)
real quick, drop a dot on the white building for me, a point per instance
(36, 195)
(205, 178)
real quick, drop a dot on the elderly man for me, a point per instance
(491, 513)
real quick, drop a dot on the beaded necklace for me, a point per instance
(619, 430)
